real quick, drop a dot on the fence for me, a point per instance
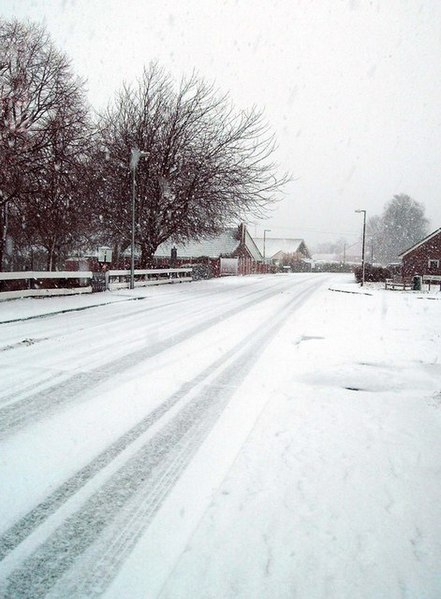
(48, 283)
(45, 283)
(428, 279)
(120, 279)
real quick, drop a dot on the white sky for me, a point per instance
(352, 88)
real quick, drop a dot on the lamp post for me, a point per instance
(363, 245)
(135, 155)
(264, 241)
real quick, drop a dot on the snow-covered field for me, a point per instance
(253, 437)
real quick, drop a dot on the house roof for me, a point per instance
(275, 245)
(252, 247)
(419, 243)
(224, 244)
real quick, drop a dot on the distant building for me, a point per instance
(352, 258)
(349, 255)
(327, 258)
(424, 257)
(283, 250)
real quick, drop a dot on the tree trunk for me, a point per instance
(115, 255)
(3, 231)
(51, 257)
(2, 245)
(147, 252)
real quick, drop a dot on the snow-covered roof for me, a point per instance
(428, 238)
(224, 244)
(252, 247)
(275, 245)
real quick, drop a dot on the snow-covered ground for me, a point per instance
(268, 437)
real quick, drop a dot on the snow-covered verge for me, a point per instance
(335, 493)
(31, 307)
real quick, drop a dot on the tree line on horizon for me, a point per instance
(65, 176)
(401, 224)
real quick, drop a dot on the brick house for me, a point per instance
(231, 252)
(424, 257)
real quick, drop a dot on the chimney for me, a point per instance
(242, 229)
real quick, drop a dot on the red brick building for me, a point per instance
(231, 252)
(423, 258)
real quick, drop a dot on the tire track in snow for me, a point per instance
(54, 329)
(29, 410)
(19, 531)
(83, 554)
(58, 377)
(81, 333)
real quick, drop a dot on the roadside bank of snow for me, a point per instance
(31, 307)
(347, 284)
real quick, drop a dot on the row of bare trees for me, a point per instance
(44, 131)
(65, 179)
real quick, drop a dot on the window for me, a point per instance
(433, 263)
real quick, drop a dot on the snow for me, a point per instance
(288, 428)
(27, 308)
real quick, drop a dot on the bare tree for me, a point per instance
(376, 239)
(207, 165)
(42, 104)
(401, 225)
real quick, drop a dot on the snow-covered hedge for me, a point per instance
(372, 273)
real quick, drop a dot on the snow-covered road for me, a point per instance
(246, 437)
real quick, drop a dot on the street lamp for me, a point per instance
(363, 245)
(264, 241)
(135, 155)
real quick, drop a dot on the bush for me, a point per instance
(372, 274)
(202, 271)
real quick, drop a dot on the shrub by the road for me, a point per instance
(372, 273)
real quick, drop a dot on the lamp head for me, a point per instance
(135, 155)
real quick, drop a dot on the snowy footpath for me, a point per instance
(261, 437)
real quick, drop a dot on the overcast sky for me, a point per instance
(352, 88)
